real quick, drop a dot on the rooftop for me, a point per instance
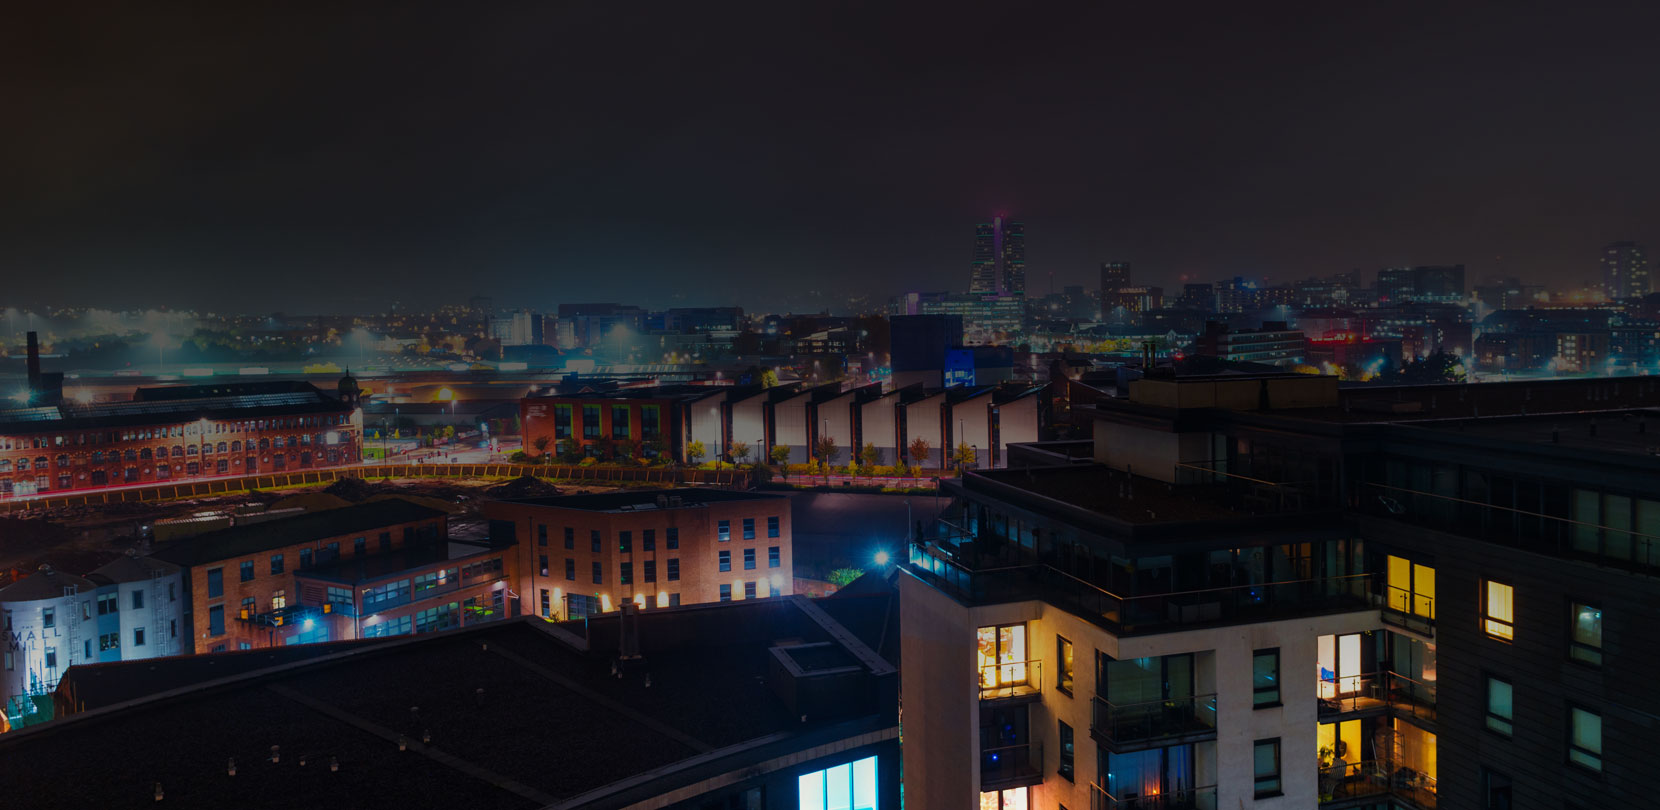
(639, 500)
(1633, 431)
(1105, 492)
(252, 538)
(521, 714)
(174, 405)
(399, 560)
(46, 583)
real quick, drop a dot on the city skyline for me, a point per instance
(151, 170)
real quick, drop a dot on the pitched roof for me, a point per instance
(46, 583)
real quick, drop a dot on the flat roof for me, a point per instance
(252, 538)
(1110, 493)
(521, 713)
(151, 406)
(640, 500)
(1634, 431)
(381, 564)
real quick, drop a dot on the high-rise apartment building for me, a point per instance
(1115, 276)
(1624, 271)
(999, 264)
(1271, 593)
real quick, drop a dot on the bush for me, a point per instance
(589, 461)
(519, 457)
(762, 473)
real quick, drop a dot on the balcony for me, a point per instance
(1352, 694)
(1014, 681)
(1198, 798)
(1137, 614)
(1413, 611)
(283, 617)
(1361, 783)
(1011, 766)
(1409, 697)
(1172, 721)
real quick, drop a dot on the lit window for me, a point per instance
(1585, 645)
(1002, 655)
(1500, 708)
(1063, 673)
(1585, 743)
(1411, 588)
(1500, 610)
(851, 786)
(1012, 799)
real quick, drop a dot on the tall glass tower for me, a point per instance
(999, 264)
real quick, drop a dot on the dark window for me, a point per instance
(672, 536)
(726, 561)
(247, 570)
(650, 422)
(749, 590)
(360, 545)
(561, 421)
(48, 617)
(625, 542)
(276, 563)
(1265, 678)
(626, 574)
(1500, 706)
(216, 620)
(590, 421)
(547, 603)
(1585, 634)
(725, 530)
(385, 542)
(749, 528)
(570, 569)
(772, 557)
(749, 559)
(138, 600)
(772, 526)
(216, 582)
(651, 571)
(1266, 759)
(619, 421)
(1495, 789)
(593, 540)
(1066, 766)
(542, 563)
(648, 539)
(541, 534)
(305, 558)
(726, 592)
(674, 569)
(599, 574)
(570, 537)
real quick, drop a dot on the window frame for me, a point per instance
(1491, 625)
(1580, 652)
(1259, 691)
(1584, 754)
(1065, 672)
(1493, 720)
(1275, 783)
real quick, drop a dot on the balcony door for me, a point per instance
(1342, 665)
(1002, 655)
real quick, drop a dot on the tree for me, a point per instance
(769, 379)
(780, 453)
(964, 456)
(842, 577)
(541, 444)
(869, 455)
(627, 448)
(570, 451)
(695, 451)
(825, 449)
(740, 451)
(919, 451)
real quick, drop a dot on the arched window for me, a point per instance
(222, 447)
(178, 451)
(236, 447)
(144, 453)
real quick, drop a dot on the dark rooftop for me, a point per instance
(521, 714)
(173, 405)
(1109, 493)
(646, 499)
(1634, 431)
(46, 583)
(253, 538)
(380, 564)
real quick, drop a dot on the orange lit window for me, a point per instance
(1499, 603)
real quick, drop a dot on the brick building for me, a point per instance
(586, 554)
(378, 568)
(625, 422)
(179, 433)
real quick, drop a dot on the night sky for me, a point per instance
(344, 156)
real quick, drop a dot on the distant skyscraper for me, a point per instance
(999, 264)
(1115, 276)
(1624, 271)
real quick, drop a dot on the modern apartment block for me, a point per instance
(581, 555)
(1268, 592)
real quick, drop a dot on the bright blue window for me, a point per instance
(845, 787)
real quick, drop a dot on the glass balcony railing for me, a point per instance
(1410, 696)
(1154, 798)
(1347, 782)
(1011, 680)
(1142, 613)
(1011, 766)
(1145, 721)
(1381, 690)
(1413, 611)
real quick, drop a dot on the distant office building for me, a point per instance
(584, 326)
(1507, 293)
(1114, 277)
(517, 328)
(986, 317)
(1130, 300)
(999, 264)
(1273, 344)
(1201, 297)
(979, 365)
(1625, 272)
(1235, 295)
(1429, 284)
(919, 346)
(1072, 303)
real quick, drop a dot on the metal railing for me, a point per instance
(1374, 778)
(1153, 719)
(1138, 613)
(1154, 798)
(1011, 679)
(1612, 546)
(1010, 765)
(1410, 696)
(1350, 693)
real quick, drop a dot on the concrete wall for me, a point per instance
(749, 424)
(922, 419)
(971, 423)
(877, 426)
(1150, 453)
(789, 419)
(940, 697)
(706, 426)
(839, 413)
(1017, 422)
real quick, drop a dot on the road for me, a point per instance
(833, 530)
